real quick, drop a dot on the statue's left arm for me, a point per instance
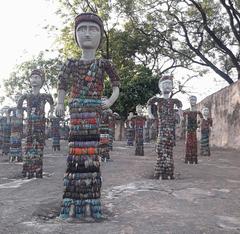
(115, 83)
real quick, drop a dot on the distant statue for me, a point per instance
(205, 126)
(104, 134)
(55, 133)
(139, 123)
(190, 119)
(164, 168)
(6, 130)
(32, 160)
(130, 129)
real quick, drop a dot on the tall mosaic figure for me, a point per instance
(55, 133)
(32, 160)
(205, 126)
(130, 130)
(15, 153)
(139, 123)
(84, 77)
(191, 123)
(6, 130)
(164, 168)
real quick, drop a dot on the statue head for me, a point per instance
(88, 30)
(139, 109)
(165, 84)
(5, 110)
(193, 100)
(205, 112)
(17, 96)
(130, 115)
(37, 78)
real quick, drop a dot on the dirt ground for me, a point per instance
(204, 198)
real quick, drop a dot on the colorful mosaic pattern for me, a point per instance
(82, 180)
(1, 131)
(191, 136)
(165, 142)
(15, 153)
(6, 130)
(55, 133)
(130, 132)
(104, 134)
(205, 125)
(139, 122)
(32, 160)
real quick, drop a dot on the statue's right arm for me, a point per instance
(60, 103)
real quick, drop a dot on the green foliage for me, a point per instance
(18, 82)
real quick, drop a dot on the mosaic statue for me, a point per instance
(147, 130)
(1, 128)
(112, 122)
(15, 153)
(191, 123)
(6, 130)
(130, 130)
(32, 160)
(205, 126)
(84, 77)
(139, 123)
(55, 133)
(164, 168)
(104, 134)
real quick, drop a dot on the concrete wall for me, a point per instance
(224, 107)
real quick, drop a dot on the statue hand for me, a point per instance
(151, 116)
(106, 104)
(59, 110)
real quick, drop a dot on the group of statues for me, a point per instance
(91, 123)
(167, 120)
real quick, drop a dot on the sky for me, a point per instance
(23, 36)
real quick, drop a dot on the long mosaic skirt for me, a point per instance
(130, 136)
(6, 139)
(164, 167)
(191, 148)
(139, 150)
(33, 158)
(82, 180)
(15, 153)
(205, 149)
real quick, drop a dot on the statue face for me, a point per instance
(205, 112)
(165, 86)
(88, 35)
(193, 100)
(35, 81)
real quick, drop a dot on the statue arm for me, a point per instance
(151, 102)
(115, 83)
(20, 105)
(63, 84)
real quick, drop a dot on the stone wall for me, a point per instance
(224, 107)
